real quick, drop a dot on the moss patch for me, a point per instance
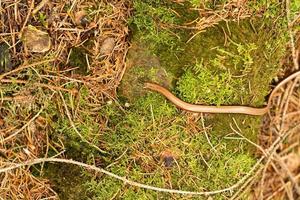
(67, 181)
(220, 66)
(153, 126)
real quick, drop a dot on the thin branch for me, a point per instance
(28, 15)
(22, 128)
(291, 33)
(25, 67)
(125, 180)
(270, 152)
(39, 6)
(288, 173)
(205, 133)
(248, 140)
(51, 87)
(74, 127)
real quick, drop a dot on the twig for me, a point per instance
(28, 15)
(205, 133)
(39, 6)
(289, 173)
(22, 128)
(287, 101)
(125, 180)
(74, 127)
(52, 87)
(294, 52)
(281, 188)
(152, 116)
(15, 98)
(241, 135)
(295, 20)
(8, 34)
(25, 67)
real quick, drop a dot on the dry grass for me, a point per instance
(106, 20)
(27, 139)
(230, 11)
(280, 176)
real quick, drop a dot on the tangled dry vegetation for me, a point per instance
(99, 29)
(279, 177)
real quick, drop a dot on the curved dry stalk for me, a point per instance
(25, 67)
(291, 34)
(2, 141)
(125, 180)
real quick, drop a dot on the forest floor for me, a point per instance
(77, 123)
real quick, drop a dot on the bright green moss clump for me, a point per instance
(201, 85)
(154, 22)
(148, 15)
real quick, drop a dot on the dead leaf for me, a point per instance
(81, 19)
(107, 46)
(36, 40)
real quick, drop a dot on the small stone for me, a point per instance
(127, 105)
(107, 46)
(36, 40)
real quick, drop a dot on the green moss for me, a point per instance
(138, 75)
(67, 180)
(211, 69)
(295, 7)
(154, 20)
(42, 18)
(147, 15)
(78, 59)
(153, 125)
(201, 85)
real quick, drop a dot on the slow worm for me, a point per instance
(248, 110)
